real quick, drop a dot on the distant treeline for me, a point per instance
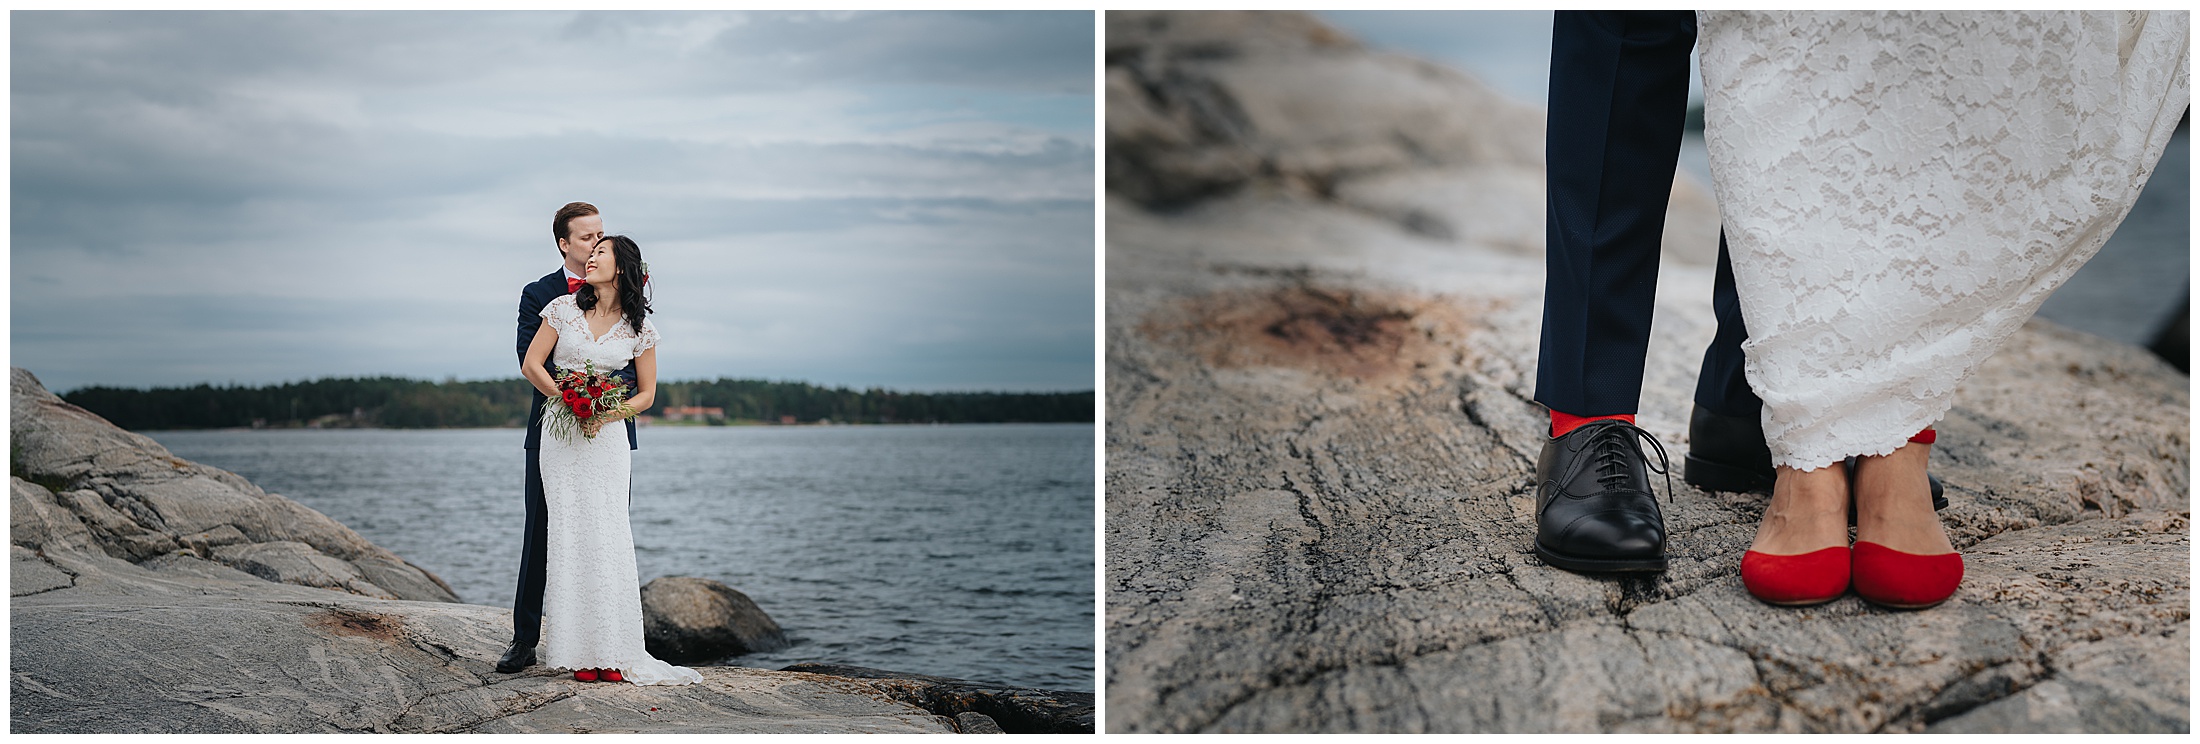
(399, 403)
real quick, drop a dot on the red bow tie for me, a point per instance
(573, 285)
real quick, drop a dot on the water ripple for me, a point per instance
(959, 551)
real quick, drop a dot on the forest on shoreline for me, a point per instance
(402, 403)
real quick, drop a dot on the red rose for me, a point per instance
(585, 412)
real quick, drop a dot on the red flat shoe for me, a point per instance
(1905, 581)
(585, 675)
(612, 675)
(1816, 577)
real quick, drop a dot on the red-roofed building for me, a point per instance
(693, 413)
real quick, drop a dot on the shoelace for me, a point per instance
(1610, 448)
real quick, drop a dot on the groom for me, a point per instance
(1619, 91)
(577, 227)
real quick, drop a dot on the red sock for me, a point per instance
(1565, 422)
(1925, 437)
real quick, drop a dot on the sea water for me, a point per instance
(956, 551)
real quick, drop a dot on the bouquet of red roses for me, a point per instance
(583, 395)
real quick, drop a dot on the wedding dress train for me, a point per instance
(1901, 191)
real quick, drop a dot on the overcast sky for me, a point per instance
(901, 200)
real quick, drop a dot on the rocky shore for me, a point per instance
(151, 594)
(1324, 277)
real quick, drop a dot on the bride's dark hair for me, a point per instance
(628, 256)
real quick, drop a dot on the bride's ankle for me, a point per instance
(1894, 506)
(1894, 479)
(1808, 511)
(1820, 489)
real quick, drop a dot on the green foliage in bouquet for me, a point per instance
(584, 395)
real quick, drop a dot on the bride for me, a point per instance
(592, 605)
(1900, 191)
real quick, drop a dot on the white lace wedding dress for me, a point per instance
(591, 599)
(1901, 190)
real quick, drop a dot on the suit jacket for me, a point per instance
(531, 301)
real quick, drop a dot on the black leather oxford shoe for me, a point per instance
(516, 658)
(1728, 453)
(1594, 509)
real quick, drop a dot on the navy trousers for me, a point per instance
(527, 603)
(1619, 95)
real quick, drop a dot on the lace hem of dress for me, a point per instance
(643, 672)
(1873, 441)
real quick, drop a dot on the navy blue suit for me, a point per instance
(1619, 93)
(527, 602)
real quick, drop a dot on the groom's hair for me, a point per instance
(559, 227)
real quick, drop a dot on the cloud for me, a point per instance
(979, 50)
(269, 196)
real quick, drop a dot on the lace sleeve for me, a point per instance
(556, 310)
(648, 339)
